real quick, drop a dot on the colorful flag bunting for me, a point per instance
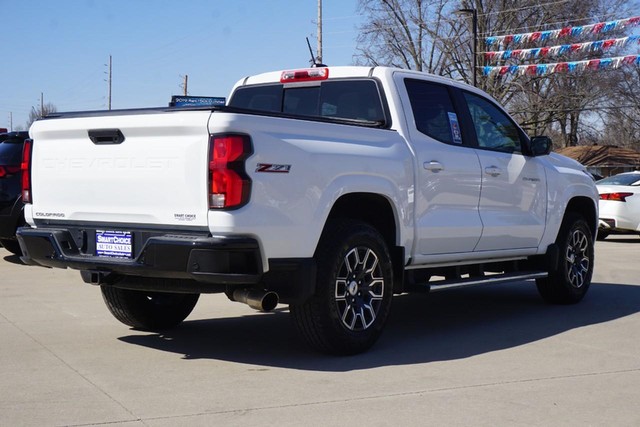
(555, 51)
(577, 31)
(561, 67)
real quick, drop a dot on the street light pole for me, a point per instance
(474, 15)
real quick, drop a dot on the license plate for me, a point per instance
(114, 244)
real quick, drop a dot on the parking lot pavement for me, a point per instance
(485, 356)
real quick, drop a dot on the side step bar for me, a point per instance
(440, 285)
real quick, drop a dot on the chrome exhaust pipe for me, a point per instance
(256, 298)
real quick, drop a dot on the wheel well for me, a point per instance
(585, 207)
(370, 208)
(375, 210)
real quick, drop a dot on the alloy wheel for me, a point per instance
(359, 289)
(577, 258)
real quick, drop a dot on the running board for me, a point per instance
(484, 280)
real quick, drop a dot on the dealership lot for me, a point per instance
(494, 355)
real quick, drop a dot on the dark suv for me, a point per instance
(11, 207)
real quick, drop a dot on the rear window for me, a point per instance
(262, 98)
(11, 152)
(341, 99)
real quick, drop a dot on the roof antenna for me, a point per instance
(313, 62)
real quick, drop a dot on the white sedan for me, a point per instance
(619, 204)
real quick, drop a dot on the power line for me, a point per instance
(517, 9)
(569, 110)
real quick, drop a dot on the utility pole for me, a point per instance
(11, 121)
(319, 31)
(186, 82)
(41, 104)
(110, 71)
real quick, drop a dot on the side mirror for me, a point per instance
(541, 145)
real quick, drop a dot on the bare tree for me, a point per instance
(404, 33)
(39, 112)
(621, 116)
(429, 35)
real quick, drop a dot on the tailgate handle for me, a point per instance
(106, 136)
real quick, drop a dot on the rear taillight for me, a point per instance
(26, 171)
(7, 171)
(616, 197)
(229, 184)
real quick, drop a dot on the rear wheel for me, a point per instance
(148, 310)
(353, 290)
(570, 282)
(12, 246)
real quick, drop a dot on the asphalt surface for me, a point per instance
(485, 356)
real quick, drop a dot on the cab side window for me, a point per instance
(494, 129)
(433, 111)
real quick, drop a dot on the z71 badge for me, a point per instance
(268, 167)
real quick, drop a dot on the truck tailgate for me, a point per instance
(156, 176)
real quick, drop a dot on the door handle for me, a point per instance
(433, 166)
(493, 171)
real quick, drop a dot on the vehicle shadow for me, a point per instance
(13, 259)
(441, 326)
(620, 239)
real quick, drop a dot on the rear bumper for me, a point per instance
(606, 223)
(620, 225)
(209, 264)
(218, 260)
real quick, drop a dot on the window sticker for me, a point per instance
(455, 128)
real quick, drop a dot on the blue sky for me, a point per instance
(61, 48)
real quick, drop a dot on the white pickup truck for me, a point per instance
(327, 189)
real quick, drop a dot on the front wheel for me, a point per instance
(353, 290)
(570, 282)
(151, 311)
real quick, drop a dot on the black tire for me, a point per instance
(602, 234)
(354, 288)
(12, 246)
(150, 311)
(571, 281)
